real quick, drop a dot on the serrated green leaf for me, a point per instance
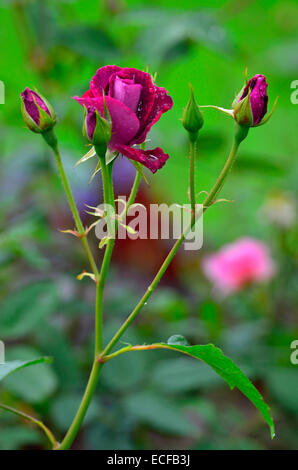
(14, 366)
(225, 367)
(35, 384)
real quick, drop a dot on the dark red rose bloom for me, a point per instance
(258, 97)
(135, 103)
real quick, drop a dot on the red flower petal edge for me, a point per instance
(152, 159)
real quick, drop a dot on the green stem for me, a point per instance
(107, 182)
(74, 210)
(98, 316)
(76, 424)
(96, 368)
(39, 423)
(239, 136)
(192, 194)
(134, 190)
(110, 185)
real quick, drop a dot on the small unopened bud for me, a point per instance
(37, 112)
(97, 129)
(192, 119)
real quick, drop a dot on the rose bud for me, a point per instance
(250, 105)
(135, 104)
(97, 129)
(192, 119)
(37, 112)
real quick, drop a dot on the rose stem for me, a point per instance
(106, 171)
(75, 212)
(108, 199)
(192, 193)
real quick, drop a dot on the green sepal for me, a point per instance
(240, 93)
(227, 112)
(243, 113)
(46, 122)
(268, 115)
(237, 97)
(245, 74)
(47, 103)
(90, 154)
(102, 133)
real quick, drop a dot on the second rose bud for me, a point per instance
(97, 129)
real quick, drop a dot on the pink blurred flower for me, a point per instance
(238, 264)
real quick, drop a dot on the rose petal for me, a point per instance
(100, 81)
(258, 97)
(162, 103)
(125, 124)
(90, 121)
(148, 92)
(88, 94)
(152, 159)
(127, 92)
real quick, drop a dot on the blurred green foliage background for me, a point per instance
(148, 399)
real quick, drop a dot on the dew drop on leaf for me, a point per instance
(178, 339)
